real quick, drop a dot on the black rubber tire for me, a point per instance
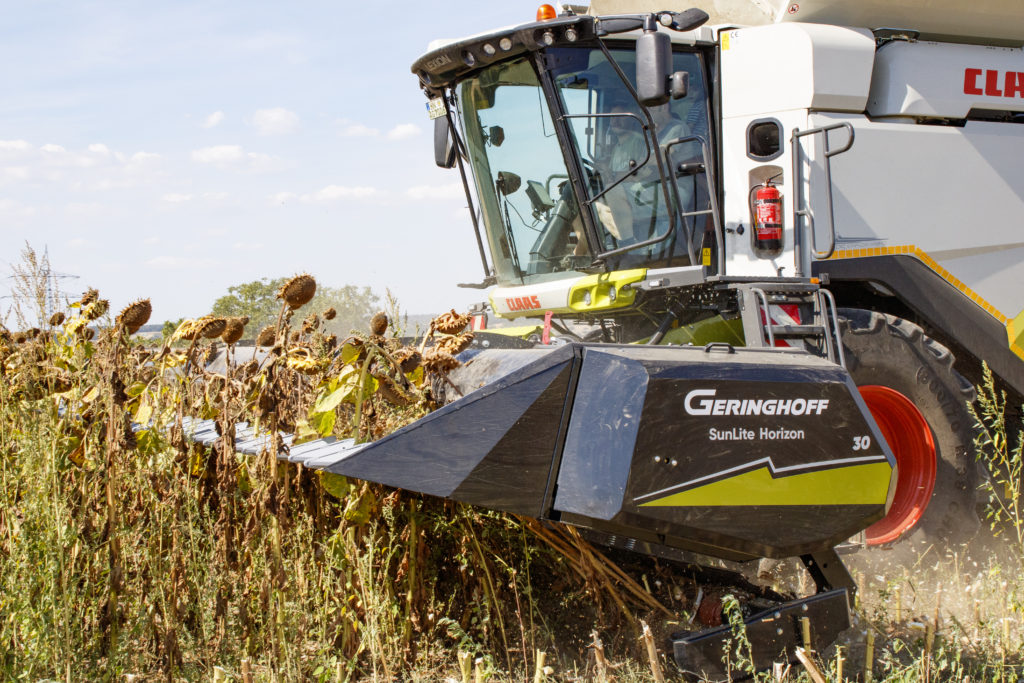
(889, 351)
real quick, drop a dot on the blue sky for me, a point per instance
(171, 149)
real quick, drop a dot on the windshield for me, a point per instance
(624, 185)
(532, 216)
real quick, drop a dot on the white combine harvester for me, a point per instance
(760, 239)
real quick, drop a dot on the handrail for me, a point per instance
(833, 333)
(799, 211)
(766, 323)
(716, 218)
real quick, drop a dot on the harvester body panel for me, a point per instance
(734, 452)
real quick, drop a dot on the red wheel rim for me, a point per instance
(910, 439)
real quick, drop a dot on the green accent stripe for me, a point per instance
(866, 484)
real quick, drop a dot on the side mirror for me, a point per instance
(508, 182)
(444, 150)
(679, 84)
(653, 63)
(496, 135)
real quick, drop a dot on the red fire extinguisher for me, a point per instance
(767, 219)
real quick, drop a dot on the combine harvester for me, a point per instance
(738, 230)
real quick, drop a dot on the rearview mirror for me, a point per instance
(444, 150)
(653, 63)
(679, 84)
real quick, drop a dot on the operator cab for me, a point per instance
(571, 172)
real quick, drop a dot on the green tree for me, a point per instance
(169, 328)
(258, 300)
(354, 305)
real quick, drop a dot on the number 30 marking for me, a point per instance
(861, 443)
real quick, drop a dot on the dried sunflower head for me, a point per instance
(409, 358)
(393, 392)
(233, 329)
(57, 319)
(455, 343)
(330, 313)
(96, 309)
(135, 315)
(89, 296)
(211, 327)
(379, 323)
(437, 361)
(20, 337)
(186, 330)
(298, 291)
(451, 322)
(266, 336)
(32, 332)
(306, 365)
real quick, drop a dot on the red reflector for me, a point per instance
(545, 12)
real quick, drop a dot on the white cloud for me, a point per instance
(352, 129)
(213, 119)
(77, 242)
(143, 157)
(215, 196)
(17, 172)
(276, 121)
(330, 193)
(176, 198)
(151, 240)
(403, 131)
(218, 155)
(53, 149)
(247, 246)
(99, 148)
(233, 156)
(449, 191)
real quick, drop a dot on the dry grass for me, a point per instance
(137, 552)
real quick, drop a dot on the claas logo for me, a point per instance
(522, 303)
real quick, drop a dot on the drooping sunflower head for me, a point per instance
(298, 291)
(135, 315)
(379, 323)
(233, 329)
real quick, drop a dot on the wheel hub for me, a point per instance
(910, 439)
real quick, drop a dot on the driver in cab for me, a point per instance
(623, 153)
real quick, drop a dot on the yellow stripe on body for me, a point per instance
(866, 484)
(1014, 327)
